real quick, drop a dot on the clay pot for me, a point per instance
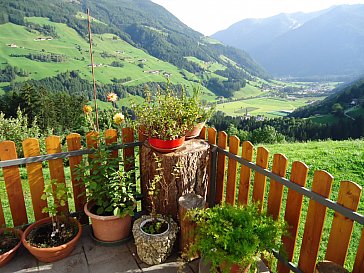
(154, 248)
(108, 228)
(195, 131)
(51, 254)
(166, 146)
(7, 256)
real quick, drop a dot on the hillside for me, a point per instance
(329, 43)
(134, 41)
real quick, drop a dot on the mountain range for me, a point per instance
(321, 44)
(135, 41)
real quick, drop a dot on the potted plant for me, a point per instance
(53, 238)
(155, 234)
(163, 119)
(197, 112)
(110, 193)
(10, 241)
(231, 238)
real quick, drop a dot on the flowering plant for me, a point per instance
(108, 118)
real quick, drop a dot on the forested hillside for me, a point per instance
(139, 24)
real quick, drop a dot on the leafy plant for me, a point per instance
(163, 116)
(107, 183)
(197, 111)
(228, 235)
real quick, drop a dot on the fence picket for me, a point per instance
(129, 156)
(13, 184)
(211, 135)
(2, 217)
(203, 133)
(35, 177)
(53, 146)
(211, 139)
(247, 151)
(342, 227)
(221, 162)
(260, 179)
(359, 259)
(74, 144)
(279, 167)
(111, 137)
(316, 214)
(293, 212)
(234, 144)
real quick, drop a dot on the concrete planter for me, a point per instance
(154, 248)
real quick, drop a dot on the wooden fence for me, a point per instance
(226, 185)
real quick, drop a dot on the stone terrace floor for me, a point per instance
(89, 257)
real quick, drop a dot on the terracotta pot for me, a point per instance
(166, 146)
(195, 131)
(7, 256)
(108, 228)
(51, 254)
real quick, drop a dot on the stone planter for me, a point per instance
(154, 248)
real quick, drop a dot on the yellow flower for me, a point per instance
(118, 118)
(112, 97)
(87, 109)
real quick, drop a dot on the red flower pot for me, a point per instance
(166, 146)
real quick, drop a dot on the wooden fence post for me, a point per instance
(13, 184)
(316, 214)
(260, 179)
(247, 151)
(234, 144)
(221, 162)
(35, 178)
(293, 212)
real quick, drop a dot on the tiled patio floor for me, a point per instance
(88, 257)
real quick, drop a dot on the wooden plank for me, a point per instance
(79, 196)
(293, 212)
(128, 153)
(359, 259)
(245, 173)
(142, 135)
(13, 184)
(315, 219)
(203, 133)
(234, 144)
(211, 136)
(2, 217)
(260, 179)
(111, 137)
(221, 162)
(143, 186)
(53, 146)
(212, 133)
(342, 227)
(279, 167)
(35, 178)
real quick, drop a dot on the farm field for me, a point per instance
(269, 107)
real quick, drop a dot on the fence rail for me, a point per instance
(227, 184)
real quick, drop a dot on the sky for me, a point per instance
(210, 16)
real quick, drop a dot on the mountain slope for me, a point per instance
(327, 43)
(143, 25)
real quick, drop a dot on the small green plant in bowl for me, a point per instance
(234, 236)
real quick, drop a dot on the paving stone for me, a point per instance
(72, 264)
(168, 267)
(124, 263)
(22, 262)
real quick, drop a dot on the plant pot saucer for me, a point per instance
(114, 243)
(165, 150)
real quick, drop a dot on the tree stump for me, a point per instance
(185, 203)
(182, 171)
